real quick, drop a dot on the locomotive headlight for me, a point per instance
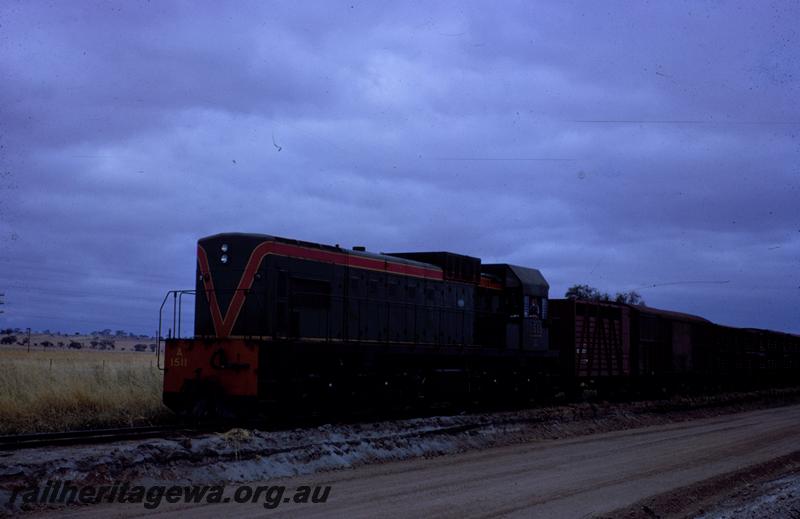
(224, 247)
(224, 258)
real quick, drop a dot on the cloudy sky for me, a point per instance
(627, 145)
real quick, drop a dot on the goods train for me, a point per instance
(282, 325)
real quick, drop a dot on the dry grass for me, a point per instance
(65, 390)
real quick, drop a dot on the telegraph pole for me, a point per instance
(29, 340)
(2, 295)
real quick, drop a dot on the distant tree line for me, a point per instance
(118, 333)
(590, 293)
(97, 333)
(11, 336)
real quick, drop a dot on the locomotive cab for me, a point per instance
(525, 294)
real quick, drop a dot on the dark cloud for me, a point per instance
(627, 146)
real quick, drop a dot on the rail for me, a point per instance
(93, 436)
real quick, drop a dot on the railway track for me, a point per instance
(100, 436)
(91, 436)
(481, 420)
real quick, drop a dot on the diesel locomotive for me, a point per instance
(282, 325)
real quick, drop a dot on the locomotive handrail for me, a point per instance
(177, 306)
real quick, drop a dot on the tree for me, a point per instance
(590, 293)
(631, 298)
(587, 293)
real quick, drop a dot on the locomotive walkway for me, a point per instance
(577, 477)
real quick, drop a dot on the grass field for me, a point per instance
(58, 390)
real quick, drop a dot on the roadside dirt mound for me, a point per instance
(770, 489)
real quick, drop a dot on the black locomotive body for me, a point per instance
(285, 323)
(288, 325)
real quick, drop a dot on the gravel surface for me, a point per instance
(577, 477)
(776, 498)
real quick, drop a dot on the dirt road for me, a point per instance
(576, 477)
